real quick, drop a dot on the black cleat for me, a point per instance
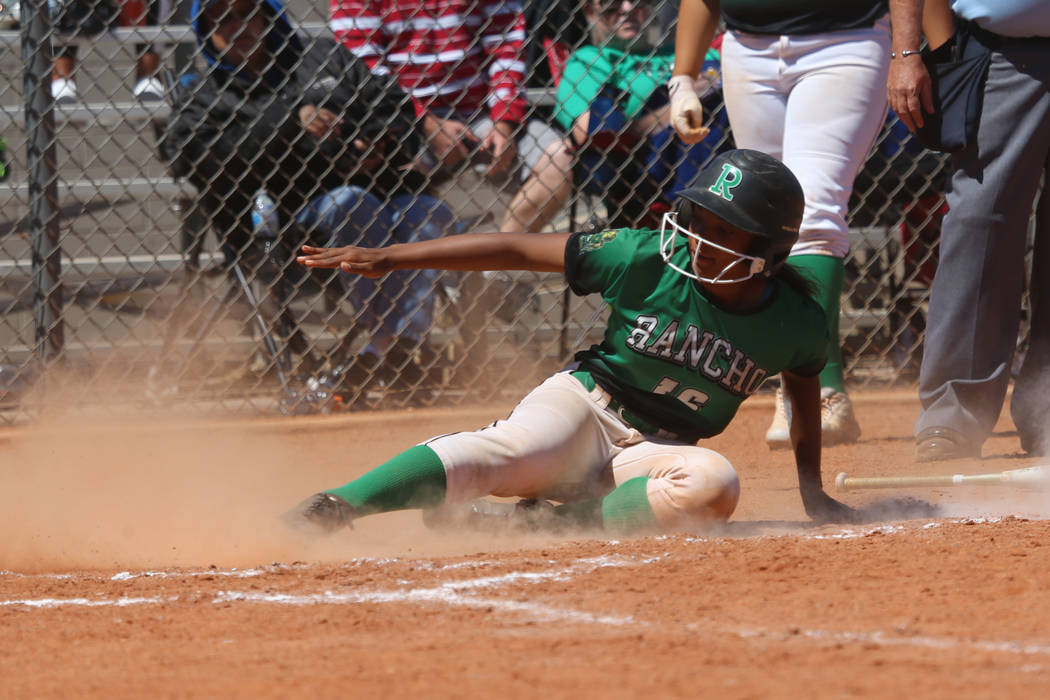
(322, 513)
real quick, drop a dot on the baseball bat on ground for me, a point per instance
(1034, 478)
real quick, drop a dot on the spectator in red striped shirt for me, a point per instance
(461, 63)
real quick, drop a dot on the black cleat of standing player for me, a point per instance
(321, 514)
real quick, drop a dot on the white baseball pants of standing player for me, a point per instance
(816, 102)
(564, 443)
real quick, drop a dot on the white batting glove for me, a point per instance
(687, 114)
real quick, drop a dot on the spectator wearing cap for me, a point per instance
(331, 142)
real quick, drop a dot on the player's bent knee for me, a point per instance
(714, 488)
(701, 487)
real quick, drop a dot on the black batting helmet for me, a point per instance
(754, 192)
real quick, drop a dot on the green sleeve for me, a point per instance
(597, 262)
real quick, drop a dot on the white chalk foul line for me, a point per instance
(85, 602)
(455, 593)
(421, 564)
(448, 593)
(444, 596)
(233, 573)
(885, 639)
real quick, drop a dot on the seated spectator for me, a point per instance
(461, 63)
(90, 17)
(612, 103)
(330, 142)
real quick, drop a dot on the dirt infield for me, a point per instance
(139, 561)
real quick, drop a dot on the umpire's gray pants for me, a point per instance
(976, 298)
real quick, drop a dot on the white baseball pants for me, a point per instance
(562, 442)
(816, 102)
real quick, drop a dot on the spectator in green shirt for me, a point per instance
(612, 103)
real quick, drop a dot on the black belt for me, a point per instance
(636, 421)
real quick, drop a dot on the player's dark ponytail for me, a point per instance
(802, 284)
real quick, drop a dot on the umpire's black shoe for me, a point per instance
(322, 513)
(938, 444)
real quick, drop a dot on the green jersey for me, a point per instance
(670, 356)
(795, 17)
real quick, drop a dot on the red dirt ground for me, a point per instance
(139, 561)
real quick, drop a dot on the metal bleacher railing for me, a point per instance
(143, 311)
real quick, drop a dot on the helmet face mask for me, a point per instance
(670, 230)
(749, 191)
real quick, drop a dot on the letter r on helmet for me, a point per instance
(730, 178)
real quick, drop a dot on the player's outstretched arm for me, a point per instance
(541, 252)
(804, 394)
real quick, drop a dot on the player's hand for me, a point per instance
(909, 90)
(450, 140)
(500, 145)
(824, 509)
(319, 122)
(367, 262)
(687, 114)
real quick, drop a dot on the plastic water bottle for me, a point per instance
(265, 222)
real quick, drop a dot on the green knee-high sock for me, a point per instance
(627, 511)
(827, 272)
(624, 511)
(413, 479)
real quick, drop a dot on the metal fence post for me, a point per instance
(194, 226)
(42, 181)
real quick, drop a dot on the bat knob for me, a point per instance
(840, 481)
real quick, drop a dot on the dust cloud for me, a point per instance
(904, 508)
(113, 494)
(963, 502)
(133, 492)
(997, 502)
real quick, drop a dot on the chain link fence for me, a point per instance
(141, 266)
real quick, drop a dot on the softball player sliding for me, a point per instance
(701, 313)
(805, 82)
